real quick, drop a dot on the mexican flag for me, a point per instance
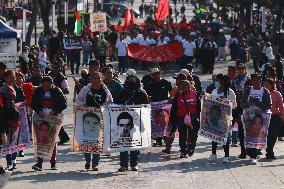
(78, 23)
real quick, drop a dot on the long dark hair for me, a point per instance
(226, 83)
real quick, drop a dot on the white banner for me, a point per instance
(98, 22)
(127, 127)
(88, 130)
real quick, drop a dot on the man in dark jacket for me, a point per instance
(221, 42)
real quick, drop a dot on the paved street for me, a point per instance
(156, 169)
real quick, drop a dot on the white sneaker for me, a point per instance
(212, 157)
(226, 160)
(253, 161)
(4, 177)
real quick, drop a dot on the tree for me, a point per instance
(45, 7)
(32, 22)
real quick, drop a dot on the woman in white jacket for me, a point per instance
(95, 94)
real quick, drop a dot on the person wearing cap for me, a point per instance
(121, 52)
(48, 99)
(158, 90)
(2, 70)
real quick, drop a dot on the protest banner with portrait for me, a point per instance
(16, 138)
(160, 118)
(256, 123)
(88, 130)
(126, 127)
(45, 132)
(215, 119)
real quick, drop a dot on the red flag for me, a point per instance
(132, 18)
(127, 18)
(162, 10)
(77, 16)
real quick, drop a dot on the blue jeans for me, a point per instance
(133, 158)
(95, 159)
(85, 58)
(10, 158)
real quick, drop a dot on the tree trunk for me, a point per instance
(45, 7)
(248, 14)
(241, 17)
(32, 22)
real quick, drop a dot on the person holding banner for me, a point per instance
(277, 117)
(185, 104)
(132, 94)
(47, 100)
(95, 94)
(255, 97)
(9, 117)
(223, 90)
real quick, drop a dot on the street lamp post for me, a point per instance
(24, 25)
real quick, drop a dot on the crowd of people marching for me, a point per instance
(41, 83)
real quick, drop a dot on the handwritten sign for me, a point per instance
(72, 42)
(98, 22)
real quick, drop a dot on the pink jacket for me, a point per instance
(277, 103)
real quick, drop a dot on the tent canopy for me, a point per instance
(7, 32)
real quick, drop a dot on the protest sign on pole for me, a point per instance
(160, 118)
(127, 127)
(45, 132)
(215, 118)
(256, 123)
(16, 139)
(88, 130)
(98, 22)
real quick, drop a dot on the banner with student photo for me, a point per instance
(126, 127)
(88, 130)
(256, 123)
(18, 138)
(45, 132)
(160, 118)
(215, 118)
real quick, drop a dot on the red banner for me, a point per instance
(164, 53)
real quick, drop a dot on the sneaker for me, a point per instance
(166, 151)
(95, 168)
(234, 145)
(122, 169)
(36, 167)
(183, 155)
(212, 157)
(21, 154)
(134, 168)
(226, 159)
(53, 167)
(253, 161)
(9, 168)
(87, 166)
(242, 156)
